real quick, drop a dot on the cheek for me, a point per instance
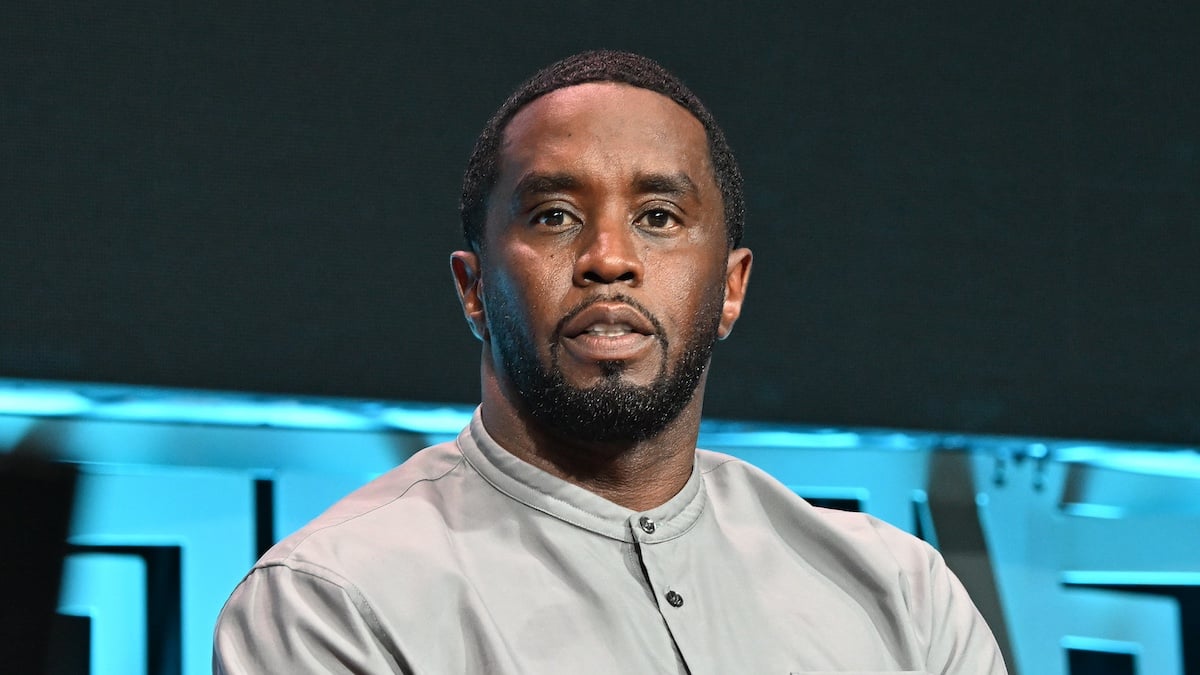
(538, 276)
(692, 296)
(695, 275)
(530, 283)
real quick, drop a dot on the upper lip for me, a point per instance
(608, 313)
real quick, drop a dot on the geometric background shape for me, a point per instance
(110, 589)
(1035, 546)
(207, 514)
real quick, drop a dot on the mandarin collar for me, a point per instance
(570, 503)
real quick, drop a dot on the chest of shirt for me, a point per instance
(715, 599)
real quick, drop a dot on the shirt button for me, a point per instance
(674, 599)
(646, 524)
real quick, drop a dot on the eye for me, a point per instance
(658, 219)
(554, 219)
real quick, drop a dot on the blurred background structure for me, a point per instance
(224, 290)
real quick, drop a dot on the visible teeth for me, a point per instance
(609, 330)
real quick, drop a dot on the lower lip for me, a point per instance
(593, 347)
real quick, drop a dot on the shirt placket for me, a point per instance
(668, 584)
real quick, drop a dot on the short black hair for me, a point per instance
(596, 66)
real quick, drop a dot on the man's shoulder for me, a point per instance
(881, 568)
(744, 490)
(410, 496)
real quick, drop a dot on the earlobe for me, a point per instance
(737, 277)
(468, 281)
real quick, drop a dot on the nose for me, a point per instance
(608, 254)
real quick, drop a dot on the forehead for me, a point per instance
(605, 126)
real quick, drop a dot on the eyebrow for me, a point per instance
(535, 184)
(674, 185)
(543, 183)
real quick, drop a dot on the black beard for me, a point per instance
(611, 411)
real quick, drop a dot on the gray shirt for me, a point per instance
(466, 559)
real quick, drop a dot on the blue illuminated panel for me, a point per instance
(1051, 530)
(110, 590)
(207, 514)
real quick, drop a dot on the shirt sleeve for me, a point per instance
(959, 640)
(282, 619)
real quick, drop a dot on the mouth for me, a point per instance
(608, 331)
(608, 318)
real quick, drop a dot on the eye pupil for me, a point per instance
(553, 218)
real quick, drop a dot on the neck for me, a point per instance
(639, 475)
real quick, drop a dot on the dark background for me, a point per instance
(974, 217)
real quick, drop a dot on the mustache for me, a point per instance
(619, 297)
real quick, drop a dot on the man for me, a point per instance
(574, 525)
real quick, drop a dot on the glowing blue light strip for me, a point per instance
(1128, 578)
(41, 401)
(1094, 644)
(782, 439)
(147, 404)
(282, 413)
(34, 398)
(439, 420)
(1089, 510)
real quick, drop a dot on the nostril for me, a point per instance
(594, 277)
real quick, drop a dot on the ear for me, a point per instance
(737, 276)
(469, 282)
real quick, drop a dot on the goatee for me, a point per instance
(612, 410)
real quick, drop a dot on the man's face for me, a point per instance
(605, 272)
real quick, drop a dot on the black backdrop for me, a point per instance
(975, 217)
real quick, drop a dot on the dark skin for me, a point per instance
(604, 189)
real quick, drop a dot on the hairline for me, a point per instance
(502, 139)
